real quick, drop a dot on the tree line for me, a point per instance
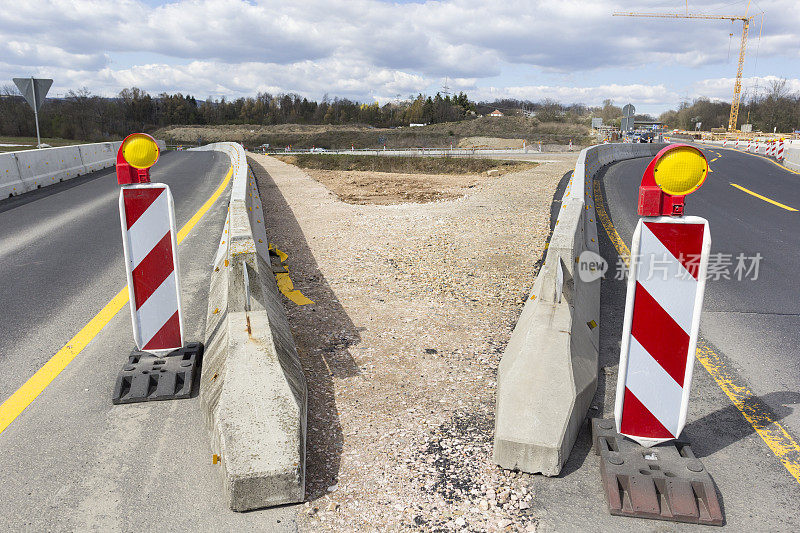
(84, 116)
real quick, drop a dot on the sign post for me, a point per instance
(669, 258)
(163, 366)
(34, 91)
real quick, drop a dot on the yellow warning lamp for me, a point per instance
(675, 171)
(137, 153)
(681, 171)
(140, 150)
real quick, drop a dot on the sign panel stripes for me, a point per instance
(661, 329)
(149, 242)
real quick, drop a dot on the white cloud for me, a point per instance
(722, 88)
(362, 48)
(646, 94)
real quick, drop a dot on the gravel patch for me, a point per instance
(414, 304)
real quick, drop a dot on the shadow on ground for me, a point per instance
(323, 333)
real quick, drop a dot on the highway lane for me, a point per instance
(61, 257)
(757, 492)
(72, 460)
(755, 323)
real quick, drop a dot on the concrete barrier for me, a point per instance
(253, 390)
(10, 182)
(548, 372)
(791, 158)
(98, 156)
(42, 167)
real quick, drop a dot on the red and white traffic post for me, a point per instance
(666, 283)
(149, 241)
(164, 365)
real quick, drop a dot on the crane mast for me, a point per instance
(737, 87)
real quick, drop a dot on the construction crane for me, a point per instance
(737, 87)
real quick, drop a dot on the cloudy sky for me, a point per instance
(570, 50)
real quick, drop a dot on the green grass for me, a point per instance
(404, 165)
(31, 142)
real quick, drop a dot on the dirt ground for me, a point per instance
(383, 188)
(414, 304)
(490, 142)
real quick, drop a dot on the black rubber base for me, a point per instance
(146, 377)
(665, 482)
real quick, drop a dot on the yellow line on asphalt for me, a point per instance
(772, 432)
(765, 158)
(24, 396)
(602, 214)
(754, 411)
(773, 202)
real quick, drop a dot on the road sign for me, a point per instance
(34, 91)
(626, 123)
(628, 110)
(666, 283)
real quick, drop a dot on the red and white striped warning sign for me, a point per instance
(780, 150)
(149, 241)
(669, 258)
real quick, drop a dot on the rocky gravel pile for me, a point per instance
(413, 306)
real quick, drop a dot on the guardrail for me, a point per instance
(28, 170)
(253, 391)
(548, 372)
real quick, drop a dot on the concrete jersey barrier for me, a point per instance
(10, 181)
(791, 157)
(28, 170)
(97, 156)
(548, 373)
(253, 390)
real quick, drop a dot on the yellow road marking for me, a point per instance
(713, 159)
(771, 432)
(184, 231)
(773, 202)
(787, 169)
(24, 396)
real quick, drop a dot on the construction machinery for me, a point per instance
(737, 87)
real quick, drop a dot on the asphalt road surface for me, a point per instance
(72, 461)
(752, 324)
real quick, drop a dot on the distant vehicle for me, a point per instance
(314, 150)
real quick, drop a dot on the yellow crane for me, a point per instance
(737, 87)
